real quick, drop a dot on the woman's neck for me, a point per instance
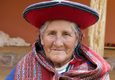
(63, 68)
(58, 65)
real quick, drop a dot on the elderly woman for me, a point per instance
(58, 53)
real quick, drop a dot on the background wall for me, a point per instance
(12, 22)
(110, 23)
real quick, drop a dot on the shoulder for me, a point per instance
(11, 75)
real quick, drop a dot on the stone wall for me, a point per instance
(9, 56)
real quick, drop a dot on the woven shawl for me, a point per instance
(34, 66)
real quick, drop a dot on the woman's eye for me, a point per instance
(66, 34)
(52, 33)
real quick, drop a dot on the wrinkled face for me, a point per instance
(59, 41)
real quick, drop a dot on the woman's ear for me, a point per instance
(76, 43)
(41, 38)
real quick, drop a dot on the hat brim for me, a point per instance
(80, 14)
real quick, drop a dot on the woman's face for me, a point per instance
(59, 41)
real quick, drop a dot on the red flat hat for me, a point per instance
(37, 14)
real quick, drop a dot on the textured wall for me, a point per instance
(9, 56)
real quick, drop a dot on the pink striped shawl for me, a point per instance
(34, 66)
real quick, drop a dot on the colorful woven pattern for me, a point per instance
(34, 66)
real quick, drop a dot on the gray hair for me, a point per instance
(44, 27)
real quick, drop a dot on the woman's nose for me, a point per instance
(58, 42)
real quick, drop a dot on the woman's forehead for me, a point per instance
(59, 25)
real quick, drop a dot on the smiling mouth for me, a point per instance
(57, 49)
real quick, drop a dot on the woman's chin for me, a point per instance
(58, 59)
